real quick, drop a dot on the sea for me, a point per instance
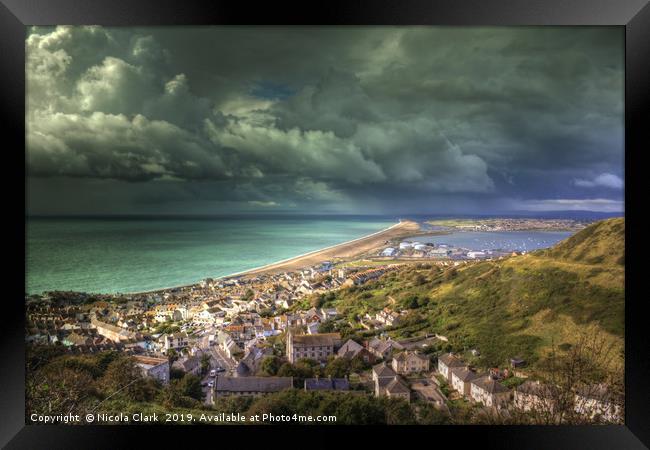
(495, 240)
(122, 255)
(135, 254)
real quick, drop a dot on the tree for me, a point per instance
(317, 300)
(410, 302)
(589, 367)
(52, 390)
(286, 370)
(270, 366)
(450, 274)
(123, 379)
(205, 363)
(328, 326)
(190, 386)
(172, 355)
(338, 368)
(419, 279)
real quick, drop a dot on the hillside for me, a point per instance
(600, 243)
(518, 306)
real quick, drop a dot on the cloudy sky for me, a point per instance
(370, 120)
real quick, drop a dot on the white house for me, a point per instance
(461, 379)
(447, 362)
(153, 367)
(489, 392)
(598, 402)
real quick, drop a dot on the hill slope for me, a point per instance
(518, 306)
(600, 243)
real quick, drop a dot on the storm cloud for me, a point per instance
(324, 119)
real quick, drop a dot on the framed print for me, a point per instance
(390, 219)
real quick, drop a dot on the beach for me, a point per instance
(349, 249)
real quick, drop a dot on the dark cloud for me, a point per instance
(352, 119)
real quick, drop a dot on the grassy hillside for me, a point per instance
(519, 306)
(599, 243)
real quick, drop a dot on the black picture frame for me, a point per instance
(633, 15)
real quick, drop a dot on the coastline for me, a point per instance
(346, 249)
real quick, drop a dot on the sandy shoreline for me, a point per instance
(347, 249)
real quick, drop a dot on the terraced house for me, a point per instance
(408, 362)
(446, 362)
(312, 346)
(489, 392)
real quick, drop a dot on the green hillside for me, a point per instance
(518, 306)
(599, 243)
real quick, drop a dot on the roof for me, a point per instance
(535, 388)
(151, 361)
(327, 384)
(396, 386)
(316, 340)
(599, 392)
(382, 370)
(350, 349)
(486, 383)
(450, 360)
(190, 363)
(464, 374)
(382, 345)
(253, 384)
(403, 356)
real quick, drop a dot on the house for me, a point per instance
(598, 402)
(252, 360)
(408, 362)
(250, 386)
(112, 332)
(440, 252)
(352, 349)
(396, 388)
(446, 362)
(153, 367)
(489, 392)
(75, 338)
(231, 348)
(388, 383)
(461, 379)
(517, 362)
(313, 346)
(329, 313)
(175, 341)
(535, 396)
(191, 365)
(389, 251)
(387, 317)
(383, 348)
(382, 370)
(327, 384)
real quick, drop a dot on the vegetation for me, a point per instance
(109, 382)
(514, 307)
(600, 243)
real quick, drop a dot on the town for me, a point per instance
(229, 331)
(510, 224)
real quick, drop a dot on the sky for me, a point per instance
(324, 120)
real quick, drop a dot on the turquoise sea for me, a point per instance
(127, 255)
